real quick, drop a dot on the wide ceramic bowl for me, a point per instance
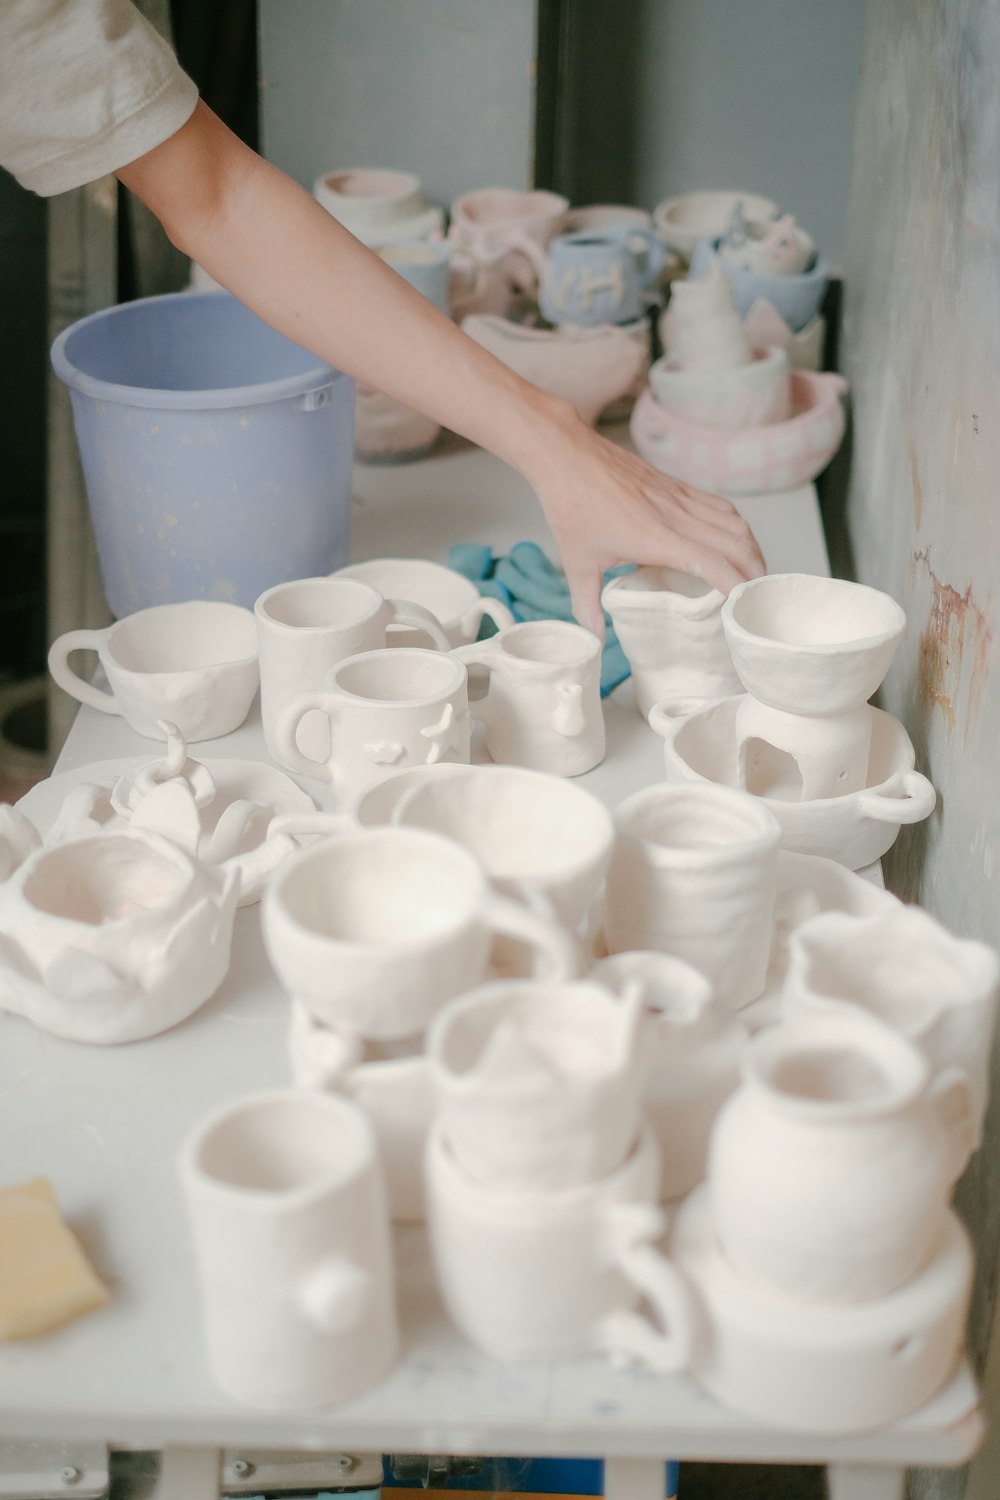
(681, 222)
(811, 645)
(797, 296)
(752, 395)
(747, 460)
(855, 829)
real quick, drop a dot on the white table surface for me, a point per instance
(104, 1124)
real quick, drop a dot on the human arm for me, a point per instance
(261, 236)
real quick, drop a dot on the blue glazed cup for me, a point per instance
(797, 297)
(425, 264)
(600, 276)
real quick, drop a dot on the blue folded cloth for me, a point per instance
(531, 585)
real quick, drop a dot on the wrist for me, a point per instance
(545, 428)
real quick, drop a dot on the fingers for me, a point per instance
(738, 549)
(585, 579)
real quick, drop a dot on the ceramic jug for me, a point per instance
(669, 625)
(902, 966)
(597, 276)
(831, 1168)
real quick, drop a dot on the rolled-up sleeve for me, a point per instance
(86, 86)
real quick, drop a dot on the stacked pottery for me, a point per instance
(836, 773)
(775, 274)
(831, 1277)
(371, 933)
(724, 414)
(542, 1178)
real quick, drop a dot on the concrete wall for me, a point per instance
(922, 350)
(444, 88)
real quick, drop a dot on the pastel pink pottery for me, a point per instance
(750, 461)
(590, 367)
(754, 394)
(489, 230)
(379, 207)
(830, 1170)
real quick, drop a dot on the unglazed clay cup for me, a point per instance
(379, 207)
(543, 708)
(496, 234)
(307, 626)
(694, 874)
(682, 221)
(376, 931)
(830, 1170)
(194, 664)
(748, 395)
(387, 711)
(450, 597)
(669, 624)
(903, 967)
(598, 276)
(536, 836)
(287, 1212)
(544, 1276)
(811, 645)
(538, 1086)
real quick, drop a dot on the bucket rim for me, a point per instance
(165, 399)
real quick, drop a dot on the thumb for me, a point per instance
(584, 581)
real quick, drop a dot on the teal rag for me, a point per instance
(531, 585)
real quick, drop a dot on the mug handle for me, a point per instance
(557, 950)
(333, 1295)
(70, 681)
(287, 726)
(487, 654)
(489, 609)
(953, 1100)
(405, 612)
(913, 802)
(652, 260)
(627, 1335)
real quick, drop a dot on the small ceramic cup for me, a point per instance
(694, 873)
(376, 931)
(309, 625)
(669, 625)
(424, 264)
(497, 234)
(543, 708)
(386, 711)
(451, 598)
(544, 1276)
(597, 276)
(538, 1086)
(287, 1211)
(193, 664)
(536, 836)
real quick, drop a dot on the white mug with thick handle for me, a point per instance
(386, 711)
(530, 1275)
(376, 931)
(193, 665)
(304, 628)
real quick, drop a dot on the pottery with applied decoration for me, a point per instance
(495, 234)
(597, 276)
(778, 249)
(287, 1187)
(375, 931)
(194, 664)
(451, 598)
(682, 221)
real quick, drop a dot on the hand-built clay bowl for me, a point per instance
(377, 206)
(749, 460)
(681, 222)
(811, 645)
(855, 829)
(797, 296)
(753, 395)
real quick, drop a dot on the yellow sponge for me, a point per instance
(45, 1278)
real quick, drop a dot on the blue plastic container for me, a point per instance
(217, 454)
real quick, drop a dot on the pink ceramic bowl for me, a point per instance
(749, 460)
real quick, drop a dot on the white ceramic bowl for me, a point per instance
(681, 222)
(752, 395)
(811, 645)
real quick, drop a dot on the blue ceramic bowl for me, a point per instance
(796, 297)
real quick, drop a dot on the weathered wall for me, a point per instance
(922, 351)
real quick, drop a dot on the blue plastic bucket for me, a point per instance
(217, 454)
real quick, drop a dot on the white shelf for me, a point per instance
(105, 1124)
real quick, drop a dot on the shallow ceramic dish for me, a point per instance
(682, 221)
(855, 829)
(751, 395)
(272, 792)
(797, 297)
(749, 460)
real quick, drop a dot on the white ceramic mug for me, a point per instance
(288, 1217)
(539, 1086)
(536, 836)
(544, 1276)
(452, 599)
(543, 708)
(694, 873)
(192, 664)
(376, 931)
(386, 711)
(304, 628)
